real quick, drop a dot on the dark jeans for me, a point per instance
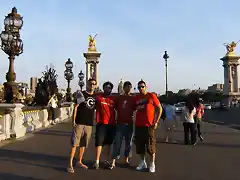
(53, 112)
(189, 128)
(198, 125)
(124, 131)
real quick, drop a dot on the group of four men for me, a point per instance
(115, 118)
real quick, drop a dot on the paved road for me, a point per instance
(44, 155)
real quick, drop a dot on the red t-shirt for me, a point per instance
(145, 106)
(124, 105)
(105, 112)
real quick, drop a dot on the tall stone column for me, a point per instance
(92, 65)
(235, 77)
(230, 65)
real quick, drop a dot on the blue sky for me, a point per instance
(133, 36)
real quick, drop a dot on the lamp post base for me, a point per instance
(11, 76)
(11, 92)
(69, 95)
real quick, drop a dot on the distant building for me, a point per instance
(184, 92)
(33, 84)
(215, 88)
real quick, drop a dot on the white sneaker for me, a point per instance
(152, 168)
(141, 166)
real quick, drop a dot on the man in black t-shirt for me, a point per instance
(83, 120)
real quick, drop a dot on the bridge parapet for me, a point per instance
(16, 119)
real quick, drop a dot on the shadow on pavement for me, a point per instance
(8, 176)
(53, 132)
(34, 159)
(237, 127)
(181, 143)
(218, 145)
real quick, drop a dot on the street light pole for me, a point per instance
(12, 45)
(68, 74)
(81, 80)
(165, 57)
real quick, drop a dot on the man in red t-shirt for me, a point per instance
(106, 123)
(148, 113)
(124, 128)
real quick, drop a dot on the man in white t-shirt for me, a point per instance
(169, 123)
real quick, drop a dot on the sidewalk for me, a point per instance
(44, 155)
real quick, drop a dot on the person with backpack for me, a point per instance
(82, 122)
(169, 122)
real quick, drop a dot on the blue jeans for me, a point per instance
(123, 131)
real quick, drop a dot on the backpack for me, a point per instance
(163, 115)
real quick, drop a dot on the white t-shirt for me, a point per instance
(170, 112)
(189, 117)
(52, 102)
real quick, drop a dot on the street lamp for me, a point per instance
(68, 74)
(12, 45)
(81, 80)
(165, 57)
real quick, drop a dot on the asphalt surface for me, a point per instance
(44, 155)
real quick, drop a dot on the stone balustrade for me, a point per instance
(16, 119)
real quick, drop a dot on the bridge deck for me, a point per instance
(44, 155)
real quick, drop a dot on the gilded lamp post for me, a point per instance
(12, 45)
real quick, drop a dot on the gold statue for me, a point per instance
(231, 47)
(92, 43)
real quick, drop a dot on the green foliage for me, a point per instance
(46, 87)
(207, 97)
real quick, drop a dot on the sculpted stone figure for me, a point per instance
(92, 43)
(231, 46)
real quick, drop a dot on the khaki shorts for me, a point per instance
(81, 135)
(145, 140)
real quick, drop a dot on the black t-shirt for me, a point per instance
(86, 110)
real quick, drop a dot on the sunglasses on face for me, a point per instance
(141, 87)
(92, 84)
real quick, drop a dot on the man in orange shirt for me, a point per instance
(106, 122)
(124, 128)
(148, 114)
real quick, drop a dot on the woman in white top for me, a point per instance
(188, 123)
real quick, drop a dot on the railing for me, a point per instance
(16, 119)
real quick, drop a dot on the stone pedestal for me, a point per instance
(230, 89)
(18, 129)
(92, 65)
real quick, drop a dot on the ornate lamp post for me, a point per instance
(81, 80)
(68, 74)
(165, 57)
(12, 45)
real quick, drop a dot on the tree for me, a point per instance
(46, 87)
